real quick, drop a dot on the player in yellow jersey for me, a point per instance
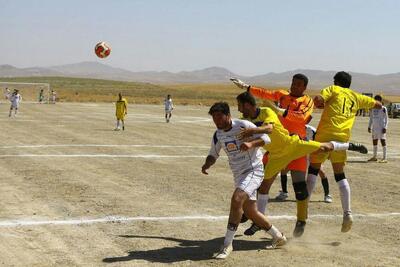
(282, 150)
(121, 109)
(340, 106)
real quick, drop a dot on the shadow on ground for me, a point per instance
(194, 250)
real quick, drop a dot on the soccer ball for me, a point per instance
(102, 50)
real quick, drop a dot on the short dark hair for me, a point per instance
(343, 79)
(222, 107)
(378, 97)
(246, 97)
(300, 76)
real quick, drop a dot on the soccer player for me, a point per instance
(283, 149)
(15, 99)
(41, 96)
(53, 96)
(169, 106)
(378, 122)
(245, 160)
(340, 105)
(121, 109)
(297, 108)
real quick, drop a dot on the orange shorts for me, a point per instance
(299, 164)
(265, 158)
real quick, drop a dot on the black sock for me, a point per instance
(284, 182)
(325, 184)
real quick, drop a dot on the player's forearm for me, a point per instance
(264, 129)
(262, 93)
(210, 160)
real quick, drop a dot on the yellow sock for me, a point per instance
(302, 210)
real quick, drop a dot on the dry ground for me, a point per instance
(54, 169)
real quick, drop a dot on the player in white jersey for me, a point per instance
(378, 123)
(15, 99)
(169, 106)
(310, 135)
(245, 160)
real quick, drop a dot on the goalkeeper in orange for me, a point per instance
(296, 114)
(121, 109)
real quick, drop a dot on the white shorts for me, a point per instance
(377, 134)
(250, 182)
(167, 111)
(14, 106)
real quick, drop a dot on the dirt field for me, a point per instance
(76, 193)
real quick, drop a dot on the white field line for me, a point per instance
(119, 219)
(97, 156)
(101, 145)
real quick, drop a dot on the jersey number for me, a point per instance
(347, 107)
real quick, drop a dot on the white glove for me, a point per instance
(240, 84)
(277, 110)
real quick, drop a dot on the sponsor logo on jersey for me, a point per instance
(231, 146)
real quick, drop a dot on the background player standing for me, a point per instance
(378, 123)
(169, 106)
(15, 99)
(121, 109)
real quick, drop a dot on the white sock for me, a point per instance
(274, 232)
(375, 150)
(339, 146)
(311, 181)
(384, 152)
(344, 189)
(262, 201)
(230, 234)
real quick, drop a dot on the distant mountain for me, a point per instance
(387, 83)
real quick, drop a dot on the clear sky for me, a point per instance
(246, 37)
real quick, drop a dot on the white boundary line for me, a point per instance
(100, 145)
(118, 219)
(97, 156)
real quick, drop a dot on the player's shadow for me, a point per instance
(357, 161)
(193, 250)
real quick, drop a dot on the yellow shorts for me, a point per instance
(120, 115)
(294, 150)
(333, 156)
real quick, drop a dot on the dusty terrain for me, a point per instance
(74, 193)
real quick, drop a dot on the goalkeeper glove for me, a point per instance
(240, 84)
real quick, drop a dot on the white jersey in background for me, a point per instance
(168, 104)
(241, 163)
(378, 120)
(15, 99)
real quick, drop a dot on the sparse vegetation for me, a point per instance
(97, 90)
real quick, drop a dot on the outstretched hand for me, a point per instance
(245, 133)
(240, 83)
(276, 109)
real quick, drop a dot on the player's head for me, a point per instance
(221, 115)
(378, 98)
(247, 104)
(168, 96)
(299, 85)
(342, 79)
(120, 96)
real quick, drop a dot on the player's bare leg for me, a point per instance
(262, 201)
(123, 125)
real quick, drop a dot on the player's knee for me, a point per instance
(312, 170)
(339, 177)
(300, 189)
